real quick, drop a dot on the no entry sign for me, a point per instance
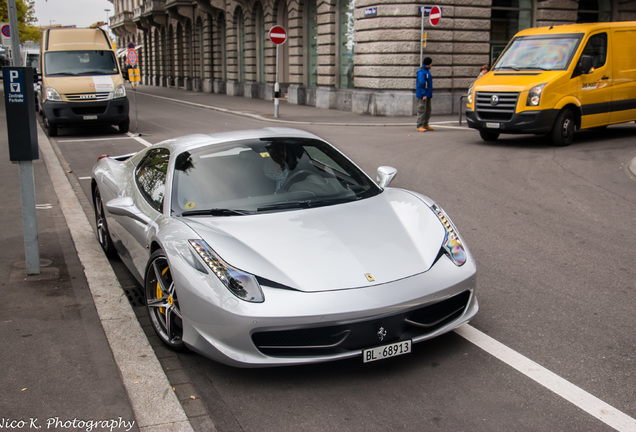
(277, 35)
(435, 15)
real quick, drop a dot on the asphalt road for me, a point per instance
(553, 231)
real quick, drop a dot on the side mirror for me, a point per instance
(384, 175)
(585, 65)
(125, 206)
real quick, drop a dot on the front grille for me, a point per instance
(359, 335)
(499, 106)
(87, 97)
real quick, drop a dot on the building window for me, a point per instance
(346, 38)
(594, 11)
(507, 18)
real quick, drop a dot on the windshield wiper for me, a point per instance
(215, 212)
(286, 205)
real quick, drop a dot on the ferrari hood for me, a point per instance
(391, 236)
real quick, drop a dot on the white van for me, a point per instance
(81, 82)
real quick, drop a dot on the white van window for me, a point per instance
(74, 63)
(539, 53)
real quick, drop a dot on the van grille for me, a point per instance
(496, 105)
(87, 97)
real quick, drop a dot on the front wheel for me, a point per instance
(162, 302)
(124, 126)
(488, 135)
(564, 128)
(50, 127)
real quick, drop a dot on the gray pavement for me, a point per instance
(75, 354)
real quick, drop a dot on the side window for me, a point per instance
(151, 176)
(596, 48)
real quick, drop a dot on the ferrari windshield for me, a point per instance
(539, 53)
(265, 175)
(74, 63)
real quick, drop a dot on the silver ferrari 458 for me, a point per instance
(271, 247)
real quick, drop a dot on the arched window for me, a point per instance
(507, 18)
(345, 37)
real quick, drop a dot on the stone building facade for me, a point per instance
(354, 55)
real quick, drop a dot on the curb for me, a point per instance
(142, 375)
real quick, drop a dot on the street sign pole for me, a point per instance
(27, 182)
(276, 87)
(278, 36)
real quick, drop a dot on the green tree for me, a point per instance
(26, 19)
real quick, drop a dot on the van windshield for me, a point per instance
(76, 63)
(553, 52)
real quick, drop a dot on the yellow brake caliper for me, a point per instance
(160, 293)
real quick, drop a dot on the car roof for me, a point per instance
(190, 142)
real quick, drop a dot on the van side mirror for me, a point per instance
(585, 65)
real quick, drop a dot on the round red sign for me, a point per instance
(435, 15)
(277, 35)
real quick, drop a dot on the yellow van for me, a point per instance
(557, 80)
(81, 82)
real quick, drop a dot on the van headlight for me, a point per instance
(52, 94)
(469, 97)
(534, 95)
(120, 91)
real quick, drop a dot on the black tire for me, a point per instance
(124, 126)
(162, 302)
(51, 128)
(103, 235)
(488, 135)
(564, 128)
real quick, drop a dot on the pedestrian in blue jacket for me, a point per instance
(424, 94)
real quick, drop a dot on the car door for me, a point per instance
(595, 88)
(147, 192)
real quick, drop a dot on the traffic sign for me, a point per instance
(6, 30)
(435, 15)
(277, 35)
(132, 57)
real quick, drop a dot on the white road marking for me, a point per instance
(139, 139)
(568, 391)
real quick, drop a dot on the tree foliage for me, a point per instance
(26, 19)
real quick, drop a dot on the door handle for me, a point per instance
(605, 78)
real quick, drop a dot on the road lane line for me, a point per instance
(568, 391)
(139, 139)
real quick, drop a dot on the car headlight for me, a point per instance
(469, 97)
(52, 94)
(534, 95)
(242, 285)
(452, 245)
(120, 91)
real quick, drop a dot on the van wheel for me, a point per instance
(488, 136)
(564, 128)
(124, 126)
(51, 128)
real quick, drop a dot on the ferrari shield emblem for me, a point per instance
(369, 277)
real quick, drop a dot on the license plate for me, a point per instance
(493, 125)
(386, 351)
(90, 117)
